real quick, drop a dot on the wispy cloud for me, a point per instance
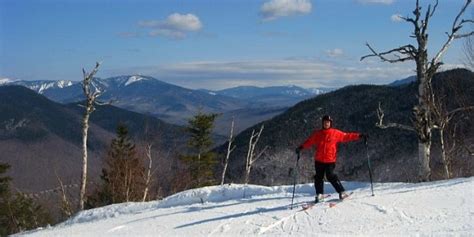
(385, 2)
(334, 53)
(128, 34)
(175, 26)
(306, 73)
(274, 9)
(396, 18)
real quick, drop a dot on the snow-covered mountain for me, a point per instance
(273, 95)
(40, 86)
(253, 91)
(321, 90)
(4, 81)
(442, 208)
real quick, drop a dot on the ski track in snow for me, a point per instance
(437, 208)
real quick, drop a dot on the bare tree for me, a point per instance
(468, 50)
(425, 69)
(66, 206)
(230, 148)
(251, 157)
(148, 175)
(91, 95)
(443, 117)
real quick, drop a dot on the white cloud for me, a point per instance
(396, 18)
(280, 8)
(175, 26)
(306, 73)
(385, 2)
(187, 22)
(333, 53)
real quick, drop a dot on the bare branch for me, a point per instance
(104, 103)
(261, 153)
(409, 50)
(464, 35)
(250, 154)
(65, 205)
(453, 112)
(230, 149)
(453, 34)
(428, 15)
(379, 124)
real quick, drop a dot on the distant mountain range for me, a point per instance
(176, 104)
(405, 81)
(274, 95)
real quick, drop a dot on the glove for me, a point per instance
(298, 149)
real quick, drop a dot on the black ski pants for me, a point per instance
(328, 170)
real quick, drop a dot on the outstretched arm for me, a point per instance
(349, 136)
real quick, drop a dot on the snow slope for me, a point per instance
(437, 208)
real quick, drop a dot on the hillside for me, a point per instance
(398, 209)
(142, 94)
(39, 137)
(353, 108)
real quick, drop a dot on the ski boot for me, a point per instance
(318, 198)
(343, 195)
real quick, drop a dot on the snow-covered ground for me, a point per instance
(437, 208)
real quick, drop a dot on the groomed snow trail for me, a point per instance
(437, 208)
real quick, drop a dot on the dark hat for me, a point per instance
(327, 118)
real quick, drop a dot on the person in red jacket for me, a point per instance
(326, 141)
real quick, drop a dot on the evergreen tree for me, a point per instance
(201, 164)
(4, 181)
(18, 212)
(123, 176)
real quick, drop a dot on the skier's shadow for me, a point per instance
(197, 208)
(256, 211)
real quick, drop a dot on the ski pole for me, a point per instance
(368, 163)
(295, 174)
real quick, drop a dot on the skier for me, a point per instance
(326, 141)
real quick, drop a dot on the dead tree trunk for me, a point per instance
(91, 96)
(425, 70)
(251, 158)
(230, 148)
(65, 204)
(148, 175)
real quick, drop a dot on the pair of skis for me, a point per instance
(331, 203)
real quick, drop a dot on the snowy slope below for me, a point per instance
(437, 208)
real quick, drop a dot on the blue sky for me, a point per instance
(215, 44)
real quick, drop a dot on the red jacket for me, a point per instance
(326, 141)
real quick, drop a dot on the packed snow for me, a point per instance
(133, 79)
(4, 81)
(40, 88)
(437, 208)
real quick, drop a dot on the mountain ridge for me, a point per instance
(353, 108)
